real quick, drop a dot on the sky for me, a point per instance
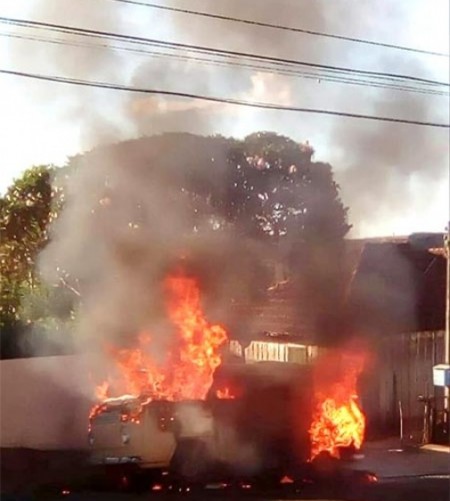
(393, 177)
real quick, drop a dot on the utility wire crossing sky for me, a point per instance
(269, 106)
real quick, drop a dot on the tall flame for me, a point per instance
(193, 355)
(338, 420)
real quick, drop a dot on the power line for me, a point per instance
(281, 27)
(215, 62)
(209, 50)
(201, 97)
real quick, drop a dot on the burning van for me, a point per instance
(194, 416)
(128, 431)
(261, 426)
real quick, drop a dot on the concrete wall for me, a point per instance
(45, 402)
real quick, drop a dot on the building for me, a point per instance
(274, 328)
(393, 303)
(396, 302)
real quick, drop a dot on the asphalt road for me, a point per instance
(412, 489)
(403, 475)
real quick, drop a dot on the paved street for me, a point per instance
(404, 474)
(387, 458)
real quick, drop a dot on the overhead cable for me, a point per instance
(211, 50)
(202, 97)
(262, 24)
(317, 76)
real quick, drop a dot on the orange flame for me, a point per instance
(192, 359)
(225, 394)
(101, 391)
(338, 421)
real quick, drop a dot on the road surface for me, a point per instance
(403, 474)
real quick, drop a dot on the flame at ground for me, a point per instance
(192, 358)
(338, 420)
(225, 394)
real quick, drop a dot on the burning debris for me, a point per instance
(338, 421)
(225, 394)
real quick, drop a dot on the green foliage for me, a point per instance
(278, 193)
(25, 213)
(266, 186)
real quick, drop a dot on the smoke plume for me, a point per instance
(126, 224)
(386, 171)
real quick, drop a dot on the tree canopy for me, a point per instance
(25, 213)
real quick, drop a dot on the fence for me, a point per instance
(402, 372)
(276, 351)
(44, 402)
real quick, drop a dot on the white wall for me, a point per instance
(45, 402)
(258, 351)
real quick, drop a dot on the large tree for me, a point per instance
(26, 212)
(266, 188)
(276, 191)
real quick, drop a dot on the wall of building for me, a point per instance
(45, 402)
